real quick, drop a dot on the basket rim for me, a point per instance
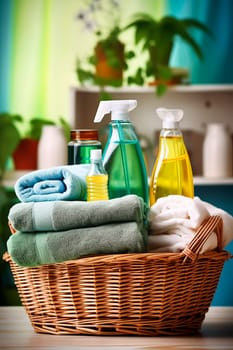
(211, 225)
(133, 257)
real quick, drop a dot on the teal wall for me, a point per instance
(216, 68)
(5, 47)
(221, 196)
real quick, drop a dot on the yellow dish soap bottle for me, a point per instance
(172, 171)
(97, 178)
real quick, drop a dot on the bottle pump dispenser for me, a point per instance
(122, 157)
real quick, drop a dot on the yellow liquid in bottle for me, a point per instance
(97, 187)
(172, 172)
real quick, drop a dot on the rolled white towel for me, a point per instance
(171, 243)
(227, 235)
(178, 214)
(173, 220)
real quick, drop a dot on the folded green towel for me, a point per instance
(33, 249)
(65, 215)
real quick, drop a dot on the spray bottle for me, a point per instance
(122, 157)
(172, 172)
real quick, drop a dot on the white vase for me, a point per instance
(52, 148)
(217, 151)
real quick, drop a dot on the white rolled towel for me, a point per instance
(173, 220)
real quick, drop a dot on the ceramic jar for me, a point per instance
(52, 148)
(217, 151)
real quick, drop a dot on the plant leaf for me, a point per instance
(193, 23)
(9, 139)
(161, 89)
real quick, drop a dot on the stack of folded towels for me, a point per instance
(53, 222)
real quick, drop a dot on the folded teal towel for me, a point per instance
(51, 184)
(33, 249)
(65, 215)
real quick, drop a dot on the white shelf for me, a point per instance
(202, 104)
(200, 180)
(148, 89)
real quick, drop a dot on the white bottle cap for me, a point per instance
(96, 154)
(119, 108)
(170, 117)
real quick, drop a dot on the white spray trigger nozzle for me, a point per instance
(170, 117)
(119, 109)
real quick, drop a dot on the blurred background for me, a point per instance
(40, 44)
(40, 41)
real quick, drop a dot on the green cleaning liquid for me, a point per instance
(126, 174)
(80, 154)
(172, 171)
(82, 141)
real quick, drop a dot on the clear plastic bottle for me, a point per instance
(172, 171)
(97, 178)
(81, 143)
(122, 157)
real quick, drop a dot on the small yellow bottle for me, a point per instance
(97, 178)
(172, 171)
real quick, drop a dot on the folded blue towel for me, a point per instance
(51, 184)
(33, 249)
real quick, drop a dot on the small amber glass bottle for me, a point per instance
(81, 143)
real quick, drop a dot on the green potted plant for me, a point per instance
(157, 39)
(25, 155)
(9, 139)
(19, 139)
(106, 63)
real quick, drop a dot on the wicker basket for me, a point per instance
(140, 294)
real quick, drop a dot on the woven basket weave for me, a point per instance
(140, 294)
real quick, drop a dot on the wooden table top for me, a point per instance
(16, 332)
